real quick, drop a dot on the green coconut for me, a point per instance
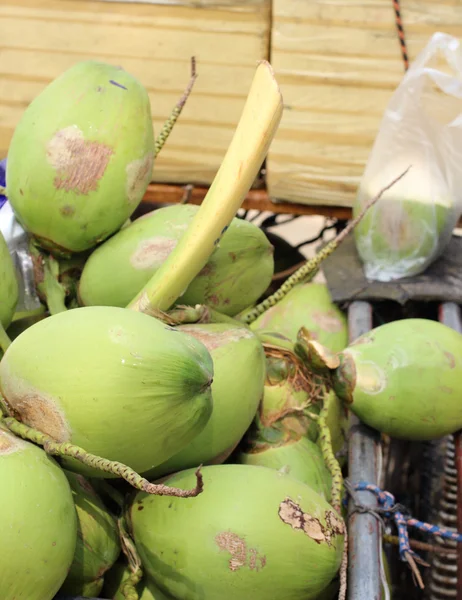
(116, 382)
(237, 273)
(289, 453)
(39, 524)
(119, 573)
(409, 226)
(307, 305)
(9, 290)
(253, 534)
(81, 157)
(404, 379)
(237, 388)
(288, 388)
(97, 540)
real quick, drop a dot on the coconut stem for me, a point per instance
(328, 455)
(170, 123)
(55, 294)
(96, 462)
(344, 568)
(182, 315)
(244, 157)
(311, 267)
(128, 588)
(4, 339)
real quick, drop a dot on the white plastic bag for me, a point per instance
(411, 225)
(17, 241)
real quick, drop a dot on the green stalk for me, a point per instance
(97, 462)
(249, 146)
(311, 267)
(54, 292)
(176, 112)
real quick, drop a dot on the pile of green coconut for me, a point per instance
(169, 431)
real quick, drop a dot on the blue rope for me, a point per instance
(391, 510)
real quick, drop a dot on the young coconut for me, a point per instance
(9, 290)
(97, 541)
(39, 524)
(253, 534)
(119, 573)
(74, 175)
(236, 274)
(237, 388)
(403, 378)
(289, 388)
(289, 453)
(411, 224)
(118, 383)
(307, 305)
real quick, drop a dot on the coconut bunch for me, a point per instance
(127, 389)
(148, 366)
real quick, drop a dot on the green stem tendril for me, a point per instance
(96, 462)
(311, 267)
(328, 455)
(55, 293)
(337, 483)
(4, 339)
(170, 123)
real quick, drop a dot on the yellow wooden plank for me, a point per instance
(338, 63)
(154, 42)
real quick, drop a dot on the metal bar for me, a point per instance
(450, 315)
(364, 576)
(458, 439)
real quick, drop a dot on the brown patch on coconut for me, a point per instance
(67, 210)
(213, 339)
(138, 177)
(327, 321)
(451, 359)
(34, 408)
(79, 163)
(206, 271)
(241, 556)
(152, 252)
(291, 513)
(85, 485)
(9, 443)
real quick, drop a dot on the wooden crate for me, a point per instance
(154, 42)
(338, 64)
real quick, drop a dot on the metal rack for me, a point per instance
(364, 570)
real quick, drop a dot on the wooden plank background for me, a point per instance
(39, 39)
(338, 64)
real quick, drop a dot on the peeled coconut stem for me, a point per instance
(54, 291)
(96, 462)
(244, 157)
(170, 123)
(311, 267)
(4, 339)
